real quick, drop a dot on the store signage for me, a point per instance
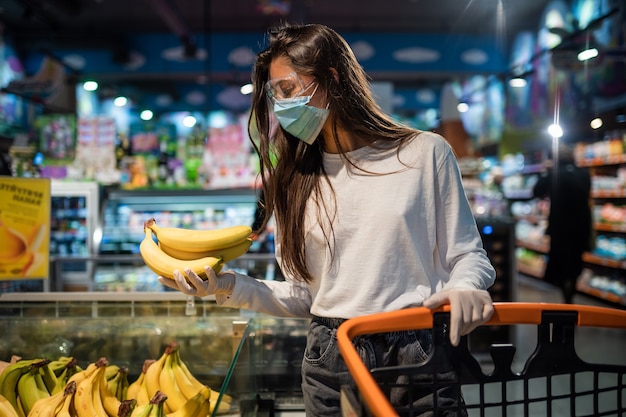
(24, 228)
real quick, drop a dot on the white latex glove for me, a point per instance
(194, 285)
(469, 308)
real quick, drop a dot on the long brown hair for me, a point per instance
(291, 170)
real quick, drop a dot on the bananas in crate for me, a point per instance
(59, 388)
(171, 376)
(25, 382)
(178, 248)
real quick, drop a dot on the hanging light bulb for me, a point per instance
(90, 86)
(596, 123)
(120, 101)
(555, 130)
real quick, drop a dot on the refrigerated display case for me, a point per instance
(253, 358)
(124, 212)
(74, 229)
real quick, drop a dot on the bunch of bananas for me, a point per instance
(25, 381)
(59, 388)
(178, 248)
(171, 376)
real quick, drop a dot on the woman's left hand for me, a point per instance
(469, 308)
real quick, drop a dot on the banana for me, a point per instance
(118, 384)
(48, 407)
(198, 405)
(53, 383)
(111, 371)
(194, 240)
(126, 408)
(67, 408)
(142, 410)
(6, 408)
(87, 401)
(227, 254)
(167, 384)
(80, 376)
(164, 265)
(137, 387)
(190, 385)
(9, 380)
(60, 364)
(30, 389)
(153, 373)
(154, 408)
(109, 401)
(158, 402)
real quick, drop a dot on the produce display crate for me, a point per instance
(554, 379)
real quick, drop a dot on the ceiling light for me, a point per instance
(246, 89)
(587, 54)
(90, 85)
(120, 101)
(146, 115)
(517, 82)
(462, 107)
(555, 131)
(189, 121)
(596, 123)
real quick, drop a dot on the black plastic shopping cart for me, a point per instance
(554, 379)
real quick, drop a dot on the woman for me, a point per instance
(370, 215)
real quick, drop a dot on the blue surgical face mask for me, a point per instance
(298, 118)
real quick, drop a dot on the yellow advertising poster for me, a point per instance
(24, 228)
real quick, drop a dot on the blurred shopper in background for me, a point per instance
(569, 221)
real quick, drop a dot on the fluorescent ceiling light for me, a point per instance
(587, 54)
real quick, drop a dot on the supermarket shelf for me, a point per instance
(531, 218)
(603, 295)
(542, 246)
(602, 261)
(530, 271)
(606, 160)
(525, 194)
(620, 193)
(607, 227)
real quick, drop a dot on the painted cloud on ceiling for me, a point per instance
(177, 54)
(242, 56)
(363, 50)
(474, 57)
(416, 55)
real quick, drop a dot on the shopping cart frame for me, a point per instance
(547, 357)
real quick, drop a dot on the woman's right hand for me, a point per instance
(196, 286)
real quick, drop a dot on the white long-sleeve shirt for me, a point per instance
(398, 239)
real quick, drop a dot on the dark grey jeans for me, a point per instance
(324, 371)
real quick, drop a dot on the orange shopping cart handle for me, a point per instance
(505, 313)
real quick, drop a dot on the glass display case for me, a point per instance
(74, 214)
(115, 263)
(251, 358)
